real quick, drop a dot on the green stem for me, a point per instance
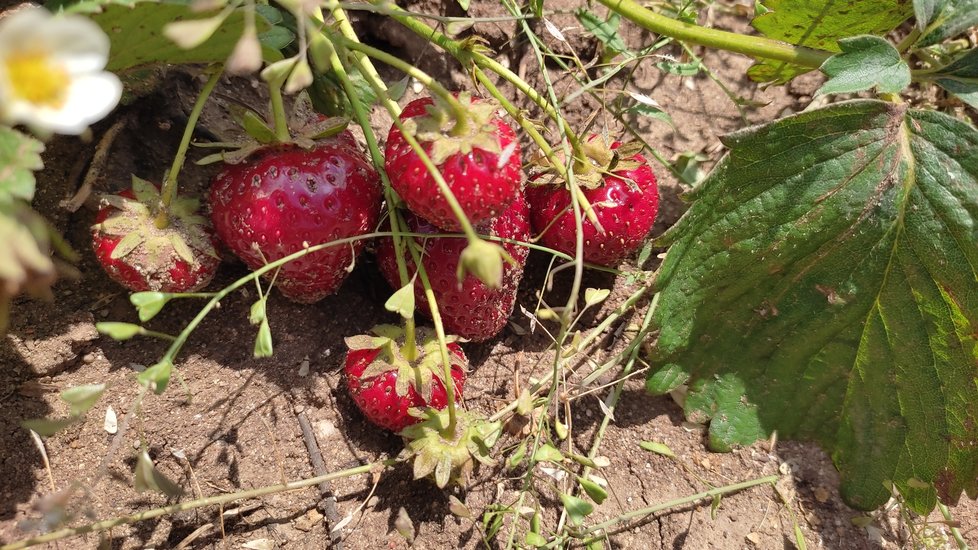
(169, 187)
(909, 40)
(192, 505)
(280, 120)
(712, 493)
(754, 46)
(955, 532)
(460, 111)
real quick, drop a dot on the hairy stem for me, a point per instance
(194, 504)
(169, 187)
(754, 46)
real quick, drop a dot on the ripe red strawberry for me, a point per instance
(471, 309)
(481, 165)
(140, 256)
(283, 198)
(624, 202)
(385, 385)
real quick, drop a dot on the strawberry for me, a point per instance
(385, 385)
(140, 256)
(479, 160)
(283, 198)
(471, 309)
(621, 189)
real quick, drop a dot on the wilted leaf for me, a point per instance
(594, 296)
(82, 398)
(156, 377)
(263, 341)
(577, 508)
(604, 30)
(866, 62)
(820, 24)
(25, 259)
(823, 284)
(46, 427)
(402, 301)
(119, 331)
(593, 490)
(148, 478)
(657, 448)
(547, 453)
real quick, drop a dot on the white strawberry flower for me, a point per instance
(51, 72)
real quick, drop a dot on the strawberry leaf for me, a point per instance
(824, 285)
(20, 156)
(866, 62)
(960, 77)
(820, 24)
(949, 18)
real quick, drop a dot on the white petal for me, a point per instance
(23, 29)
(78, 43)
(90, 97)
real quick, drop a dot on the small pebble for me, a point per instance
(88, 358)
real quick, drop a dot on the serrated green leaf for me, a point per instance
(821, 24)
(263, 341)
(156, 377)
(925, 10)
(149, 303)
(20, 157)
(604, 30)
(276, 38)
(657, 448)
(82, 398)
(46, 427)
(136, 33)
(960, 77)
(823, 285)
(596, 492)
(866, 62)
(955, 17)
(651, 112)
(25, 257)
(147, 478)
(577, 508)
(665, 379)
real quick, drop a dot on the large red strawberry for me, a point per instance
(284, 197)
(470, 309)
(622, 191)
(479, 160)
(385, 385)
(140, 256)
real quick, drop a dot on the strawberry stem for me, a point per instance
(169, 187)
(410, 348)
(279, 118)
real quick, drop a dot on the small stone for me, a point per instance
(307, 522)
(299, 409)
(88, 358)
(754, 538)
(325, 430)
(822, 494)
(104, 313)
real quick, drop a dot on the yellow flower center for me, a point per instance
(35, 78)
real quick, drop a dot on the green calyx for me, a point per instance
(449, 456)
(456, 129)
(153, 248)
(417, 374)
(593, 161)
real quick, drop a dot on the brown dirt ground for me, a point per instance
(239, 430)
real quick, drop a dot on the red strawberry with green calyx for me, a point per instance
(622, 191)
(283, 198)
(386, 386)
(470, 308)
(479, 160)
(139, 255)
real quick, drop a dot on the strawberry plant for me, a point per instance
(821, 285)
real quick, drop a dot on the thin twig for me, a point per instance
(327, 504)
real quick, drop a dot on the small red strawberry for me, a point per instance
(283, 198)
(621, 188)
(470, 309)
(479, 160)
(385, 385)
(140, 256)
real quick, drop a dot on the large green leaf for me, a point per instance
(136, 33)
(820, 24)
(950, 18)
(960, 77)
(824, 285)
